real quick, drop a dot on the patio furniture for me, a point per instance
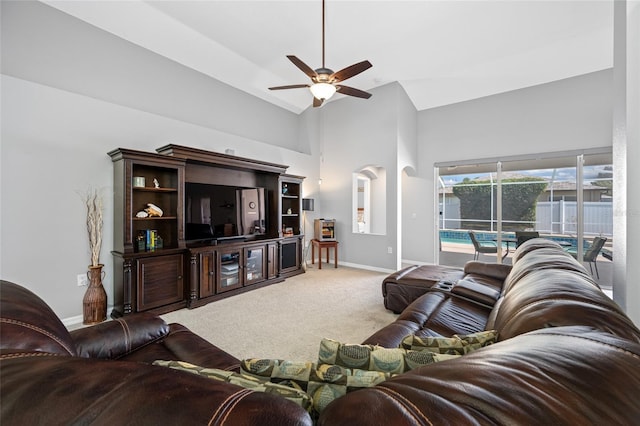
(487, 247)
(591, 254)
(522, 236)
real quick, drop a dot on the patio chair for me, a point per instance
(522, 236)
(486, 247)
(591, 254)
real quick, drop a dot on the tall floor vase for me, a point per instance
(95, 299)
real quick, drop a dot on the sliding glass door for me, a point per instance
(564, 198)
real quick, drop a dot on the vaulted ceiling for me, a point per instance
(441, 52)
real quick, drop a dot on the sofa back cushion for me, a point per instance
(532, 245)
(558, 297)
(544, 258)
(27, 323)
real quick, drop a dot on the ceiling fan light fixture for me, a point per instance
(322, 91)
(324, 79)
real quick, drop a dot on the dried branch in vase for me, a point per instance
(93, 202)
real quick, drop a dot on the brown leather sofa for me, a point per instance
(566, 353)
(101, 375)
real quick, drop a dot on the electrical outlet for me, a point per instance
(390, 250)
(82, 280)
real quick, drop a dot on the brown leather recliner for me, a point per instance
(101, 374)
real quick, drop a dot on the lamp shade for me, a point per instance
(307, 204)
(323, 91)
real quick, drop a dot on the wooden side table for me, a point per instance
(324, 244)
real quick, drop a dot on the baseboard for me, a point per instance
(367, 267)
(72, 322)
(76, 322)
(415, 262)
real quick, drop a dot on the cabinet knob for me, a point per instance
(210, 272)
(179, 277)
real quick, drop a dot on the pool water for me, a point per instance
(462, 237)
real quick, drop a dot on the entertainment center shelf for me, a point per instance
(193, 226)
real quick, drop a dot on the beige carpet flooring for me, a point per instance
(287, 320)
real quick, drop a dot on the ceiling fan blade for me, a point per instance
(346, 90)
(317, 102)
(303, 67)
(350, 71)
(291, 86)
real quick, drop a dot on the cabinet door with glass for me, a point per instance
(229, 269)
(254, 269)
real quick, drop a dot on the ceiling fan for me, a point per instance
(325, 80)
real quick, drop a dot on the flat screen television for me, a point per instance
(218, 212)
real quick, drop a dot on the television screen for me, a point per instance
(219, 211)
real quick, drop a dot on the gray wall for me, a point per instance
(44, 45)
(356, 134)
(62, 112)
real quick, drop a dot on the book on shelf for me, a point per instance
(149, 240)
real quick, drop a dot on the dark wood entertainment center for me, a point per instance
(158, 269)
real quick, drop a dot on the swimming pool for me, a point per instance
(461, 236)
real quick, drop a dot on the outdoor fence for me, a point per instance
(552, 217)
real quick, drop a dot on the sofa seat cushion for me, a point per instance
(433, 314)
(564, 375)
(246, 381)
(73, 390)
(322, 382)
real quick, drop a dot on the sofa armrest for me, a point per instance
(113, 339)
(493, 270)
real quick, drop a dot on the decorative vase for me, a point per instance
(95, 299)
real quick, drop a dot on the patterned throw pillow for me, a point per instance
(376, 358)
(456, 345)
(294, 394)
(323, 383)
